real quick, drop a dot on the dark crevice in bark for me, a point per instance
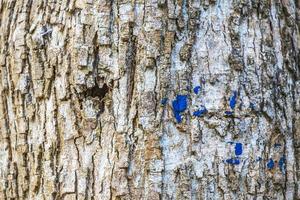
(130, 62)
(98, 92)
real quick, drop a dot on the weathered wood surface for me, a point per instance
(153, 99)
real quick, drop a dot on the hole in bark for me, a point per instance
(96, 91)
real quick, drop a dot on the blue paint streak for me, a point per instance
(271, 164)
(179, 105)
(178, 117)
(228, 113)
(238, 149)
(197, 89)
(232, 100)
(281, 164)
(164, 101)
(233, 161)
(200, 112)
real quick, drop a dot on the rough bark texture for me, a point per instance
(149, 99)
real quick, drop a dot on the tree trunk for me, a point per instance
(160, 99)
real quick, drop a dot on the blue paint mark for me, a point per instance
(281, 164)
(178, 117)
(271, 164)
(228, 113)
(197, 89)
(200, 112)
(230, 142)
(233, 161)
(179, 105)
(238, 149)
(164, 101)
(232, 100)
(277, 145)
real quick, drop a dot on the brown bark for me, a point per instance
(93, 95)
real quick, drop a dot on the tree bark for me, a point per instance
(153, 99)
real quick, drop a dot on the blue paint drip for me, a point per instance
(238, 149)
(164, 101)
(179, 105)
(178, 117)
(233, 161)
(271, 164)
(228, 113)
(197, 89)
(232, 100)
(200, 112)
(281, 164)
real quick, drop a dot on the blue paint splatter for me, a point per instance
(228, 113)
(281, 164)
(200, 112)
(164, 101)
(179, 105)
(232, 100)
(197, 89)
(238, 149)
(233, 161)
(271, 164)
